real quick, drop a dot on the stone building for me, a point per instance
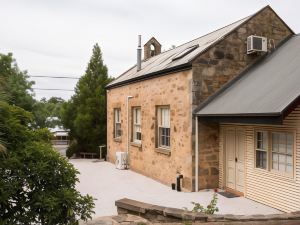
(167, 114)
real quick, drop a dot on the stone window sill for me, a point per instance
(139, 145)
(117, 139)
(163, 151)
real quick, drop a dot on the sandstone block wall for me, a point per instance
(218, 66)
(173, 90)
(161, 214)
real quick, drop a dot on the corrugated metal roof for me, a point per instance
(268, 88)
(165, 60)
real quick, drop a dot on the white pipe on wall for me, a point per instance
(128, 136)
(196, 156)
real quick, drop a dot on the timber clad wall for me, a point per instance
(218, 66)
(267, 187)
(173, 90)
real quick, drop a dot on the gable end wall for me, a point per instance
(216, 67)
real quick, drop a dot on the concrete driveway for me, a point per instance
(107, 184)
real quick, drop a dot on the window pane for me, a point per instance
(265, 140)
(117, 115)
(262, 140)
(259, 144)
(289, 147)
(275, 142)
(138, 136)
(282, 159)
(167, 141)
(165, 117)
(163, 114)
(275, 161)
(118, 130)
(137, 124)
(275, 165)
(259, 136)
(289, 160)
(281, 167)
(275, 157)
(259, 140)
(289, 169)
(261, 159)
(282, 142)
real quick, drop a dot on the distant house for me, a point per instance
(60, 139)
(216, 112)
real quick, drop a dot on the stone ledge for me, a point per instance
(134, 144)
(155, 213)
(117, 140)
(163, 151)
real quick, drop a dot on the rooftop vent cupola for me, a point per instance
(152, 48)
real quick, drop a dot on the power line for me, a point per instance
(56, 77)
(52, 89)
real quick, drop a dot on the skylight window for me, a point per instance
(185, 52)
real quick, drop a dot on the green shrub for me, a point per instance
(210, 209)
(37, 185)
(72, 149)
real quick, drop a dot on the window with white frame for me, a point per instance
(117, 125)
(261, 149)
(163, 126)
(137, 133)
(278, 155)
(282, 152)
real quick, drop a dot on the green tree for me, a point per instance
(85, 113)
(37, 185)
(45, 109)
(18, 88)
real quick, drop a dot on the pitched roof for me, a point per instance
(269, 88)
(184, 53)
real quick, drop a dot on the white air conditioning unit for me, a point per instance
(256, 44)
(121, 160)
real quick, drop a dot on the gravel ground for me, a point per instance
(107, 184)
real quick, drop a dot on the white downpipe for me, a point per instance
(196, 156)
(128, 138)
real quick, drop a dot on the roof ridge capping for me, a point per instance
(247, 17)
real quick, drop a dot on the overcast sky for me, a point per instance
(55, 37)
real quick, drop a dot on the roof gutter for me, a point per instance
(148, 76)
(241, 114)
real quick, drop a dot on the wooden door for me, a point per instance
(239, 155)
(235, 152)
(230, 158)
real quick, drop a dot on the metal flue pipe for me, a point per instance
(139, 53)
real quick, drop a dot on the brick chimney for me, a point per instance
(152, 48)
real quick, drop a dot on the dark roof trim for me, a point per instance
(242, 115)
(277, 120)
(291, 107)
(163, 72)
(231, 82)
(226, 35)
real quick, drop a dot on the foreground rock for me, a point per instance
(124, 219)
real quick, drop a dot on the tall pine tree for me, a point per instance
(85, 113)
